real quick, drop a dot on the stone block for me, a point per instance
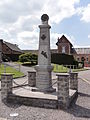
(74, 81)
(32, 78)
(63, 91)
(6, 85)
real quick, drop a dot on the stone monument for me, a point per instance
(44, 68)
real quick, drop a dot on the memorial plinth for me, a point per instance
(44, 68)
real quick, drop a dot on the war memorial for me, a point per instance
(42, 90)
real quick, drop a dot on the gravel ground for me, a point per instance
(78, 111)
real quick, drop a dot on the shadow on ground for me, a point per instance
(79, 111)
(11, 105)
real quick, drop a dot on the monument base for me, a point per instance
(50, 90)
(43, 78)
(38, 99)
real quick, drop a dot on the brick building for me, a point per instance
(9, 51)
(83, 53)
(64, 46)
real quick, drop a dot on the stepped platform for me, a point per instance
(24, 95)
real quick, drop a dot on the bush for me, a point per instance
(28, 57)
(80, 64)
(64, 59)
(34, 58)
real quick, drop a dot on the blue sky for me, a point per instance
(73, 26)
(76, 28)
(19, 20)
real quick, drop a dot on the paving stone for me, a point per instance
(3, 118)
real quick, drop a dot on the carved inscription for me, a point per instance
(44, 54)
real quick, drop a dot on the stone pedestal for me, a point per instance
(31, 78)
(44, 68)
(6, 85)
(63, 91)
(43, 78)
(74, 81)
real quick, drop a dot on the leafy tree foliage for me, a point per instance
(28, 57)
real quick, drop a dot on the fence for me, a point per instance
(64, 68)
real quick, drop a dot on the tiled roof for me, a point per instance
(82, 50)
(63, 37)
(13, 47)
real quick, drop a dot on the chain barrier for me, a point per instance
(19, 85)
(24, 85)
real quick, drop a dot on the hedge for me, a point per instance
(64, 59)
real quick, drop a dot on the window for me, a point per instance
(87, 59)
(63, 49)
(82, 59)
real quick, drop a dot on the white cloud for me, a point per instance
(28, 40)
(19, 19)
(60, 9)
(89, 36)
(85, 13)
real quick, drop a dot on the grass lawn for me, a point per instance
(28, 64)
(10, 70)
(18, 62)
(62, 69)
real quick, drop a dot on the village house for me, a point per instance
(80, 54)
(9, 51)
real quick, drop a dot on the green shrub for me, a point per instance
(34, 58)
(28, 57)
(80, 64)
(25, 57)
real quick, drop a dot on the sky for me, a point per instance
(19, 20)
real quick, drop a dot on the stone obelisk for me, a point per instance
(44, 68)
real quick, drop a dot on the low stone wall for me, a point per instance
(36, 102)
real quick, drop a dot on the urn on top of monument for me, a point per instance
(44, 19)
